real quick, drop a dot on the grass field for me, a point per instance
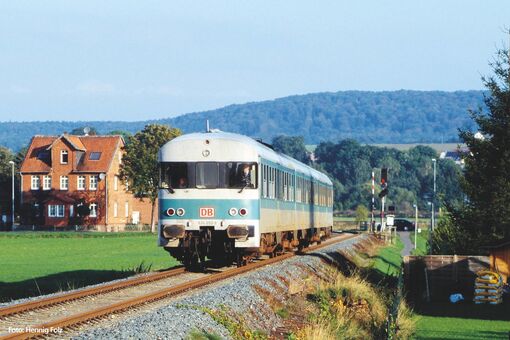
(463, 321)
(389, 259)
(44, 262)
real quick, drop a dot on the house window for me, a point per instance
(64, 182)
(81, 183)
(126, 208)
(115, 209)
(47, 183)
(93, 210)
(93, 182)
(95, 156)
(115, 183)
(64, 156)
(35, 183)
(71, 210)
(55, 210)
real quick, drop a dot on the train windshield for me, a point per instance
(208, 175)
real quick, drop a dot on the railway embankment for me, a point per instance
(246, 306)
(339, 289)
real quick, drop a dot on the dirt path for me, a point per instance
(405, 236)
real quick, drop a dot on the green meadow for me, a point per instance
(34, 263)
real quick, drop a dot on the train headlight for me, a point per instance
(232, 211)
(243, 212)
(181, 212)
(170, 211)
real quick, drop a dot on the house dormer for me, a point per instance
(66, 152)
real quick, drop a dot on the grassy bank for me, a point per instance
(422, 240)
(36, 263)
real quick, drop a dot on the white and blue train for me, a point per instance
(228, 197)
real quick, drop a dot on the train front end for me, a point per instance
(209, 199)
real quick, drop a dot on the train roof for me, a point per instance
(263, 150)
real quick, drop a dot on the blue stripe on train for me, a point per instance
(221, 208)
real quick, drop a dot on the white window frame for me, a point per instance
(80, 185)
(115, 209)
(116, 183)
(93, 180)
(35, 183)
(64, 182)
(93, 209)
(62, 153)
(56, 210)
(46, 182)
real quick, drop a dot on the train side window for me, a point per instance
(263, 181)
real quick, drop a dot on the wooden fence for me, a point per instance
(435, 277)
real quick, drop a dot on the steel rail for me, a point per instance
(53, 300)
(163, 293)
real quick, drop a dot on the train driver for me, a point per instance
(245, 178)
(183, 183)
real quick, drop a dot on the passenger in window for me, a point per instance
(183, 183)
(245, 177)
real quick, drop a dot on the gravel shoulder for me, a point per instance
(176, 318)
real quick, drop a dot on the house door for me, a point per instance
(135, 217)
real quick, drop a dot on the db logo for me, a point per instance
(206, 212)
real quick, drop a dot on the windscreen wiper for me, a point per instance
(247, 185)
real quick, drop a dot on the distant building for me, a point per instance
(60, 175)
(455, 155)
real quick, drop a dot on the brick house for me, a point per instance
(60, 174)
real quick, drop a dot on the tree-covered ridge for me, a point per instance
(368, 117)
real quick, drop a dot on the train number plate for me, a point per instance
(206, 212)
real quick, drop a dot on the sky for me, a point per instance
(138, 60)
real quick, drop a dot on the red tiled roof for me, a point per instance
(31, 163)
(106, 145)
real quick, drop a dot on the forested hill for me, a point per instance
(368, 117)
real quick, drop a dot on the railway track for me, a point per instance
(43, 317)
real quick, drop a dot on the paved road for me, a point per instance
(405, 236)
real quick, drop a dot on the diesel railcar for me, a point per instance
(227, 197)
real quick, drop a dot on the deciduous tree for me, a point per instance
(140, 162)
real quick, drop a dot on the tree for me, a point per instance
(293, 147)
(140, 162)
(125, 134)
(79, 131)
(485, 217)
(361, 214)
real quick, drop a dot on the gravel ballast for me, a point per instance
(176, 319)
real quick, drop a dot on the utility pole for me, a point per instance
(434, 197)
(415, 206)
(373, 204)
(12, 195)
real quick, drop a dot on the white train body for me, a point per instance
(203, 187)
